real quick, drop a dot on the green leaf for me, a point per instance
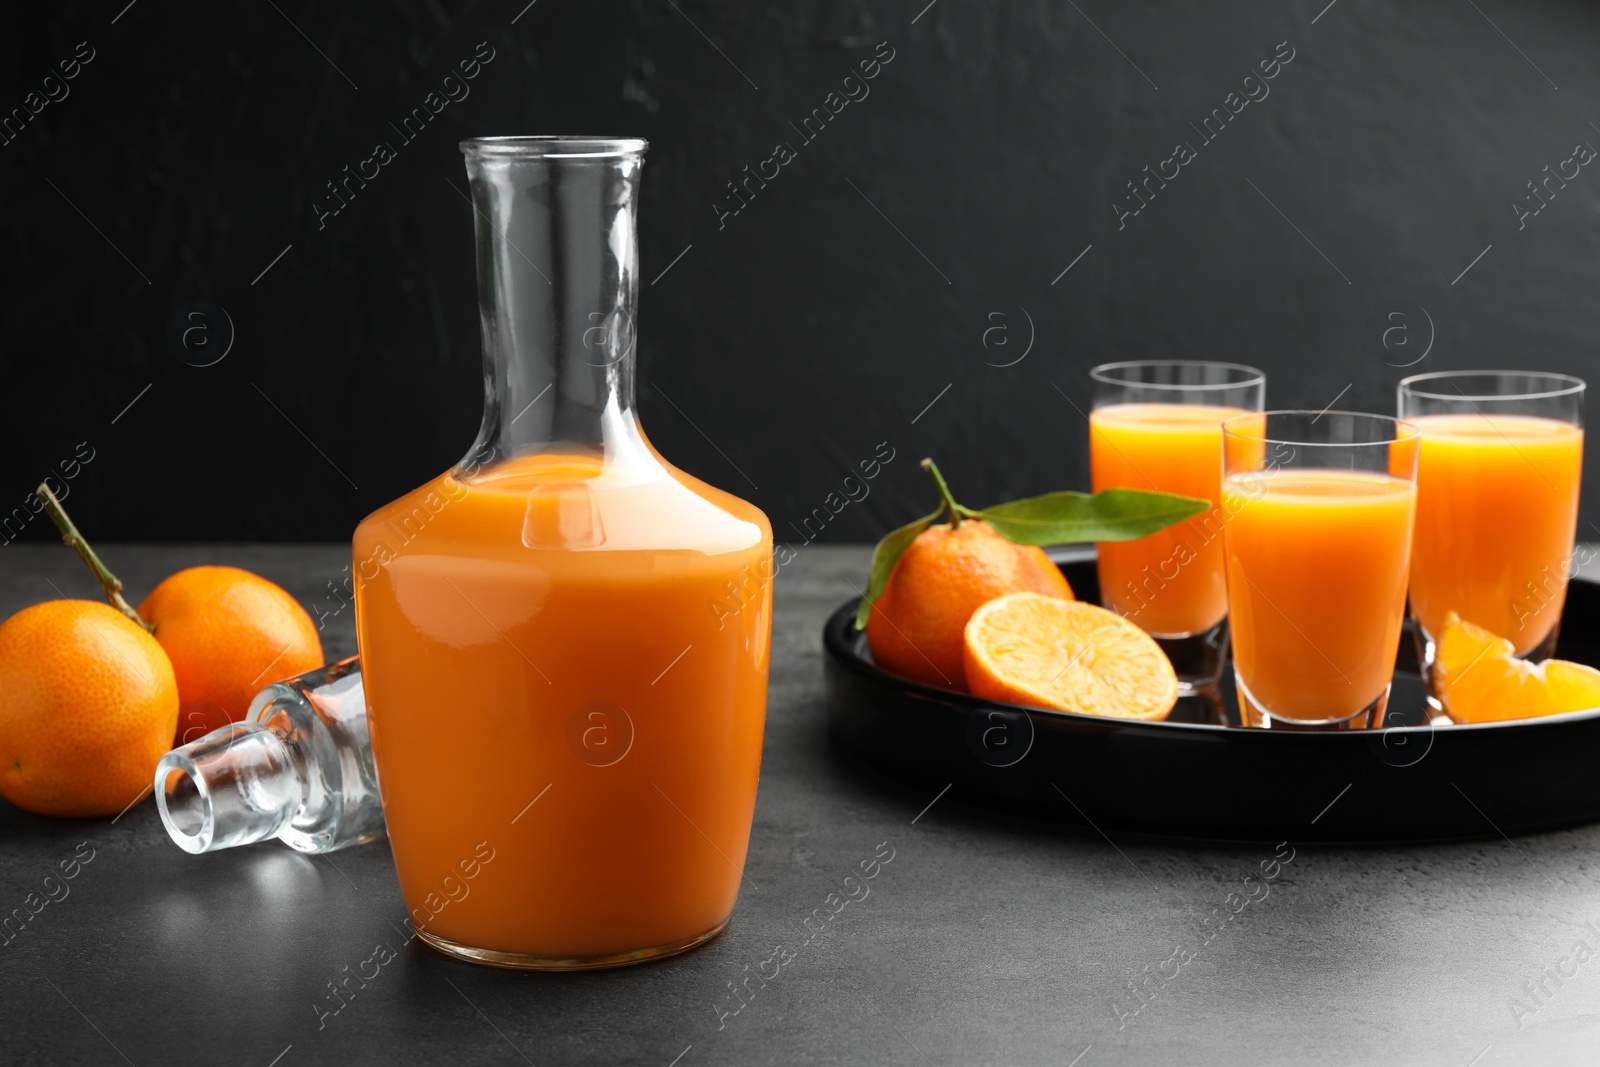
(884, 557)
(1109, 515)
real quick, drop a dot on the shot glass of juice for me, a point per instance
(1497, 502)
(1318, 510)
(1157, 424)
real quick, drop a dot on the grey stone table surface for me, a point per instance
(982, 941)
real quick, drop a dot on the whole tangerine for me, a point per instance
(947, 573)
(228, 633)
(88, 705)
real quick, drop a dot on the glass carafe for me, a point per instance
(564, 637)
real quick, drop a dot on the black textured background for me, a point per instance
(826, 316)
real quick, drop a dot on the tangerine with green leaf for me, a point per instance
(947, 573)
(928, 579)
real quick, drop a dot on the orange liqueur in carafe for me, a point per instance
(566, 715)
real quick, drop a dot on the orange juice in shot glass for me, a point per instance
(1318, 510)
(1157, 424)
(1497, 502)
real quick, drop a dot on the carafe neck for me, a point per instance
(558, 293)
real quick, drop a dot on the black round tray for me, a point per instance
(1195, 776)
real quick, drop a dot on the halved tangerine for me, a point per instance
(1026, 648)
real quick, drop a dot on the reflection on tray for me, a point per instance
(1219, 705)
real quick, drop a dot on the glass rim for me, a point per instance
(553, 146)
(1253, 375)
(1405, 430)
(1572, 384)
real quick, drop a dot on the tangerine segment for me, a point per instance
(1573, 686)
(1480, 679)
(1026, 648)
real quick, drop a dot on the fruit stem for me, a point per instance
(944, 492)
(69, 533)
